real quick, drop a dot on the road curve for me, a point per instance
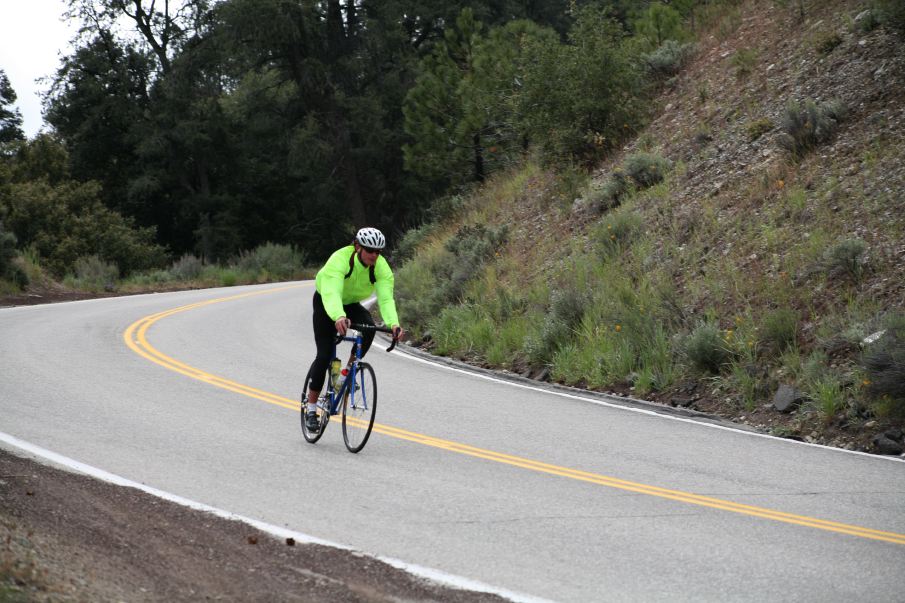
(194, 393)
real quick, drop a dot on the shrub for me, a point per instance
(758, 128)
(471, 246)
(646, 169)
(94, 274)
(67, 221)
(744, 61)
(668, 59)
(228, 278)
(892, 14)
(187, 268)
(780, 328)
(828, 43)
(8, 268)
(577, 100)
(706, 349)
(828, 396)
(869, 20)
(618, 230)
(606, 197)
(411, 240)
(884, 363)
(807, 125)
(845, 259)
(277, 261)
(567, 307)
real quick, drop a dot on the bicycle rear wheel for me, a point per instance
(359, 408)
(323, 414)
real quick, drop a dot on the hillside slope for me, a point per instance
(783, 259)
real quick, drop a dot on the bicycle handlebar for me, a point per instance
(374, 328)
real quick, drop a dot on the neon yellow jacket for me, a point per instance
(337, 290)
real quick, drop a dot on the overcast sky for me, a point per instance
(32, 38)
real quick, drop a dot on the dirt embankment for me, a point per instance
(68, 537)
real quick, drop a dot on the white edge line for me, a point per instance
(626, 407)
(433, 575)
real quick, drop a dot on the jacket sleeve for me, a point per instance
(383, 274)
(330, 283)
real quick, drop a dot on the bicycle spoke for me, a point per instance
(359, 408)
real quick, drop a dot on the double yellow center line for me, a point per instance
(135, 337)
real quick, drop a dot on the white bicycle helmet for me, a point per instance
(371, 237)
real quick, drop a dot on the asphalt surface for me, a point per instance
(550, 495)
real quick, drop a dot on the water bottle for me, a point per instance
(342, 379)
(334, 373)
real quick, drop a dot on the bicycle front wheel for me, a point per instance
(359, 408)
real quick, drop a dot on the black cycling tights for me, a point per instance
(325, 337)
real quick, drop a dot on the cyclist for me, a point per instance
(351, 275)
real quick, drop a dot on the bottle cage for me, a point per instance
(352, 267)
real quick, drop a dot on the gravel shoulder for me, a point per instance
(70, 537)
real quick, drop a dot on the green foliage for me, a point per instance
(660, 24)
(845, 259)
(668, 59)
(780, 329)
(8, 269)
(758, 128)
(459, 114)
(424, 288)
(744, 61)
(617, 231)
(579, 99)
(10, 117)
(94, 274)
(892, 14)
(187, 268)
(65, 222)
(828, 43)
(827, 395)
(280, 262)
(884, 363)
(610, 194)
(706, 349)
(806, 125)
(646, 169)
(567, 307)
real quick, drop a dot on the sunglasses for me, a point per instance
(370, 250)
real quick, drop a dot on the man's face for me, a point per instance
(367, 255)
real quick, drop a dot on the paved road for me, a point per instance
(549, 495)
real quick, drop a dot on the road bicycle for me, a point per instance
(356, 397)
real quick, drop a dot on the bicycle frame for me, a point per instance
(331, 403)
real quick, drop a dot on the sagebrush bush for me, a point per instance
(668, 59)
(617, 230)
(411, 240)
(646, 169)
(884, 363)
(892, 14)
(758, 128)
(828, 43)
(187, 268)
(806, 125)
(567, 307)
(425, 287)
(604, 198)
(93, 273)
(277, 261)
(744, 61)
(780, 328)
(8, 269)
(706, 349)
(845, 259)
